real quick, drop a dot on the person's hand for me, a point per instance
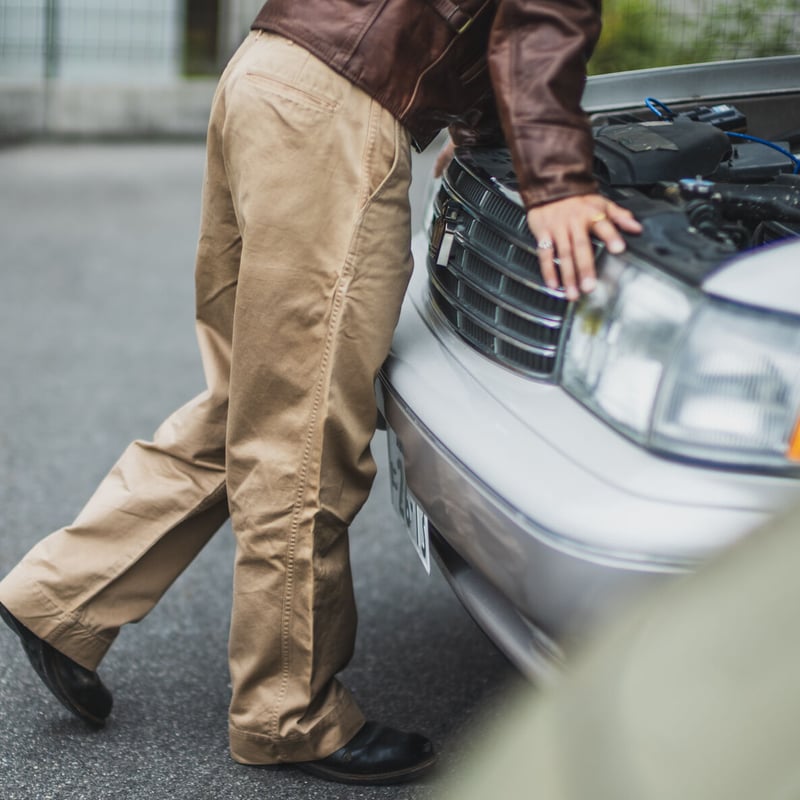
(562, 231)
(443, 159)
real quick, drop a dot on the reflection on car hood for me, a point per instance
(768, 278)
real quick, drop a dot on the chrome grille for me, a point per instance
(495, 206)
(490, 289)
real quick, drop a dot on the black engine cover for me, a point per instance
(644, 153)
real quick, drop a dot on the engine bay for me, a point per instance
(707, 178)
(737, 190)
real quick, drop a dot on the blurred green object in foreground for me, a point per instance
(695, 695)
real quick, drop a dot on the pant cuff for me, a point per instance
(331, 733)
(60, 629)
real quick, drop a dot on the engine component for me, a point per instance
(643, 153)
(743, 202)
(752, 161)
(725, 117)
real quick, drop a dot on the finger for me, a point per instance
(583, 255)
(623, 218)
(547, 266)
(566, 266)
(605, 230)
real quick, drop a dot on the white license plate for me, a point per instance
(406, 505)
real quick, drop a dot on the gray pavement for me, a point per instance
(96, 347)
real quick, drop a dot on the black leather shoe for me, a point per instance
(77, 688)
(376, 755)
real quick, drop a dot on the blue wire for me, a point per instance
(657, 107)
(663, 111)
(794, 158)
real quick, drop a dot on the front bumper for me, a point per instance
(540, 505)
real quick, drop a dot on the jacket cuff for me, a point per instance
(553, 162)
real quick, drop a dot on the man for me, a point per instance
(302, 263)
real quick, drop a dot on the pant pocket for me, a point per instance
(388, 150)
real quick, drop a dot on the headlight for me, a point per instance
(684, 373)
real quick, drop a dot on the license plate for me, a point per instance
(406, 505)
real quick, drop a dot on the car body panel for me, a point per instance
(545, 519)
(761, 279)
(608, 533)
(722, 80)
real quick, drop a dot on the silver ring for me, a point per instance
(544, 244)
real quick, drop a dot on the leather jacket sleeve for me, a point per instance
(538, 51)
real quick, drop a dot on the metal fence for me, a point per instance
(78, 40)
(647, 33)
(142, 40)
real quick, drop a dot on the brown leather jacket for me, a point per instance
(490, 69)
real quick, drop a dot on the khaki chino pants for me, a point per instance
(302, 263)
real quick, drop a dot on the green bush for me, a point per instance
(647, 33)
(752, 28)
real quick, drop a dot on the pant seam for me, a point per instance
(319, 399)
(379, 189)
(372, 135)
(302, 487)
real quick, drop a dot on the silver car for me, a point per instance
(557, 458)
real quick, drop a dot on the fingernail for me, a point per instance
(572, 293)
(588, 285)
(616, 247)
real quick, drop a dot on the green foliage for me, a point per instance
(636, 34)
(649, 33)
(752, 28)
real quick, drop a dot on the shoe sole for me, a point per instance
(379, 779)
(51, 681)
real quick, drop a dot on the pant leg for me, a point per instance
(303, 261)
(319, 174)
(163, 499)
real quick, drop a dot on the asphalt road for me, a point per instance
(96, 348)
